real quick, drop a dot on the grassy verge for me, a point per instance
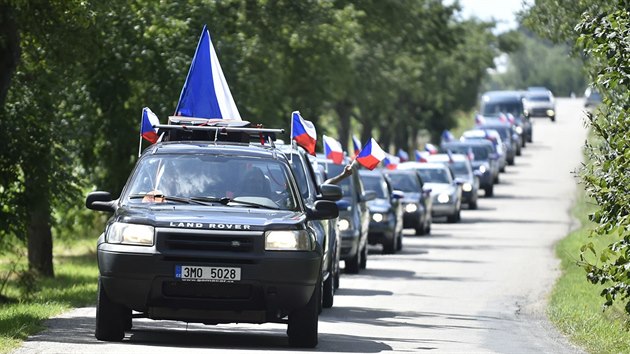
(74, 285)
(575, 306)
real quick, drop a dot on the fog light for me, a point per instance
(343, 224)
(466, 187)
(443, 198)
(551, 113)
(377, 217)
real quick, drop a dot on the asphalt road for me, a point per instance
(476, 286)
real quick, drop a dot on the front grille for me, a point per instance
(206, 290)
(201, 241)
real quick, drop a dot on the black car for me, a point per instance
(386, 224)
(417, 203)
(326, 230)
(507, 135)
(494, 103)
(210, 232)
(354, 215)
(485, 162)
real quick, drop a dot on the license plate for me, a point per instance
(209, 274)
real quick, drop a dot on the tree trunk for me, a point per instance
(9, 49)
(39, 235)
(344, 111)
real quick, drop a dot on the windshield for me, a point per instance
(376, 184)
(538, 98)
(405, 182)
(234, 181)
(481, 152)
(459, 168)
(434, 175)
(494, 108)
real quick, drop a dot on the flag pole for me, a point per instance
(291, 140)
(140, 142)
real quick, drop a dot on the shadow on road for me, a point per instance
(177, 335)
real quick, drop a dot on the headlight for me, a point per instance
(378, 217)
(343, 224)
(482, 169)
(519, 130)
(525, 112)
(550, 112)
(296, 240)
(443, 198)
(466, 187)
(411, 208)
(130, 234)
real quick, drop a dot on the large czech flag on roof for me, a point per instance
(205, 93)
(149, 119)
(333, 150)
(371, 155)
(303, 132)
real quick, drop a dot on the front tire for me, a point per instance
(364, 255)
(328, 296)
(303, 322)
(110, 318)
(489, 191)
(390, 246)
(353, 265)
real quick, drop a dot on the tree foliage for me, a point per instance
(602, 34)
(76, 74)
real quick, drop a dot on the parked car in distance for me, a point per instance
(386, 224)
(540, 103)
(494, 103)
(462, 169)
(416, 202)
(354, 215)
(485, 161)
(592, 98)
(446, 192)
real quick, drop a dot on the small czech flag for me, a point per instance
(511, 118)
(421, 156)
(447, 136)
(391, 162)
(149, 119)
(470, 154)
(403, 155)
(333, 150)
(371, 155)
(450, 156)
(503, 118)
(303, 132)
(356, 144)
(432, 149)
(479, 119)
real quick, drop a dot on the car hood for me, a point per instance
(438, 187)
(219, 218)
(379, 205)
(531, 105)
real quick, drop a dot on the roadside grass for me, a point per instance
(74, 285)
(575, 306)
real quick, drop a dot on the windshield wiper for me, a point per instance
(171, 198)
(227, 201)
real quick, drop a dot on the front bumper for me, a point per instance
(445, 209)
(379, 232)
(349, 243)
(414, 219)
(272, 283)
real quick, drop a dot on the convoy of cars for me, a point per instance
(232, 227)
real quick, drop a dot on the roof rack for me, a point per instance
(192, 128)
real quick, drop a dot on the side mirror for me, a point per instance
(477, 173)
(343, 204)
(100, 201)
(331, 192)
(398, 194)
(368, 195)
(427, 191)
(458, 182)
(323, 209)
(493, 156)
